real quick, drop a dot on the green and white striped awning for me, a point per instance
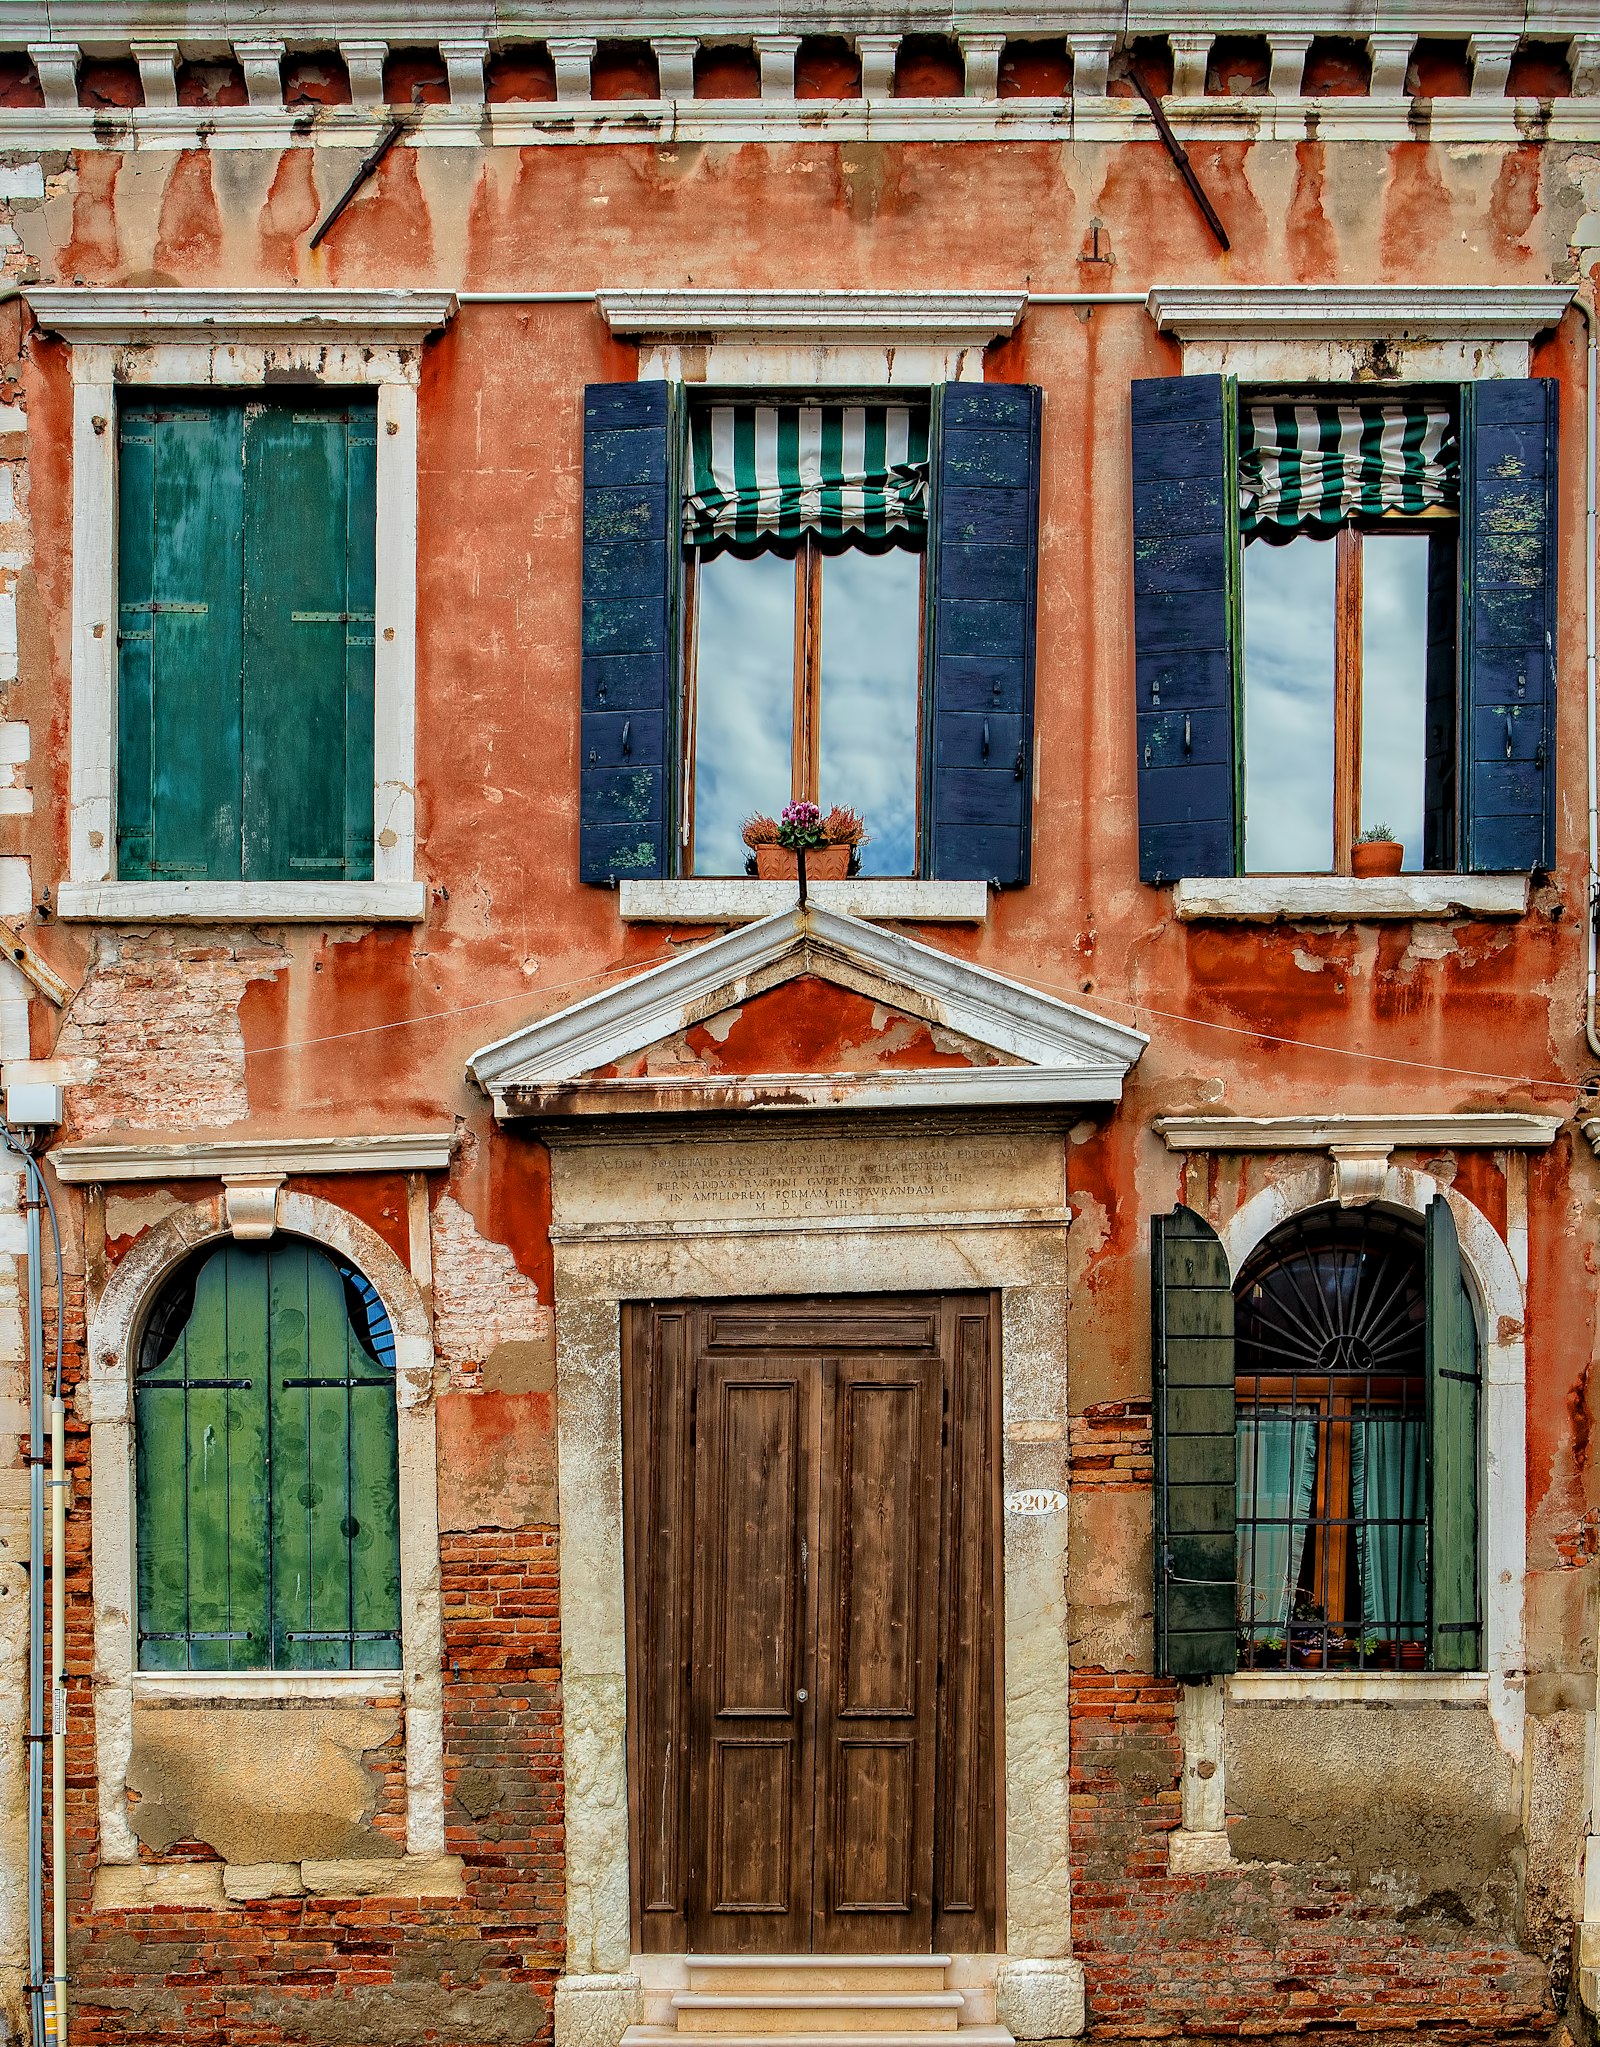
(1306, 466)
(774, 472)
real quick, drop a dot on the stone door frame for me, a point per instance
(769, 1208)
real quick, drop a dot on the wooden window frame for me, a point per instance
(1348, 544)
(806, 713)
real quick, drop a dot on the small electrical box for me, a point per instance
(33, 1103)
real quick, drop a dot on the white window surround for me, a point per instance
(114, 1327)
(1496, 1270)
(97, 1163)
(183, 339)
(705, 899)
(1347, 898)
(849, 339)
(1340, 334)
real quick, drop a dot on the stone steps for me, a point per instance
(815, 2001)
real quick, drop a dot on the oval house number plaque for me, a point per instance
(1036, 1500)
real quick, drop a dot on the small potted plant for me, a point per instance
(1377, 851)
(832, 840)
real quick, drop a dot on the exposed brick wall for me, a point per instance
(158, 1024)
(1110, 1444)
(1262, 1951)
(309, 1972)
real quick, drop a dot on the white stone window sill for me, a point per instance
(1348, 898)
(241, 902)
(200, 1687)
(1359, 1687)
(736, 900)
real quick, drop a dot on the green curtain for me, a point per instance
(1277, 1465)
(1387, 1478)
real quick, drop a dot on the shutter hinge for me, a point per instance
(1021, 755)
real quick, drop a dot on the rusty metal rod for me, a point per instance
(1179, 155)
(369, 163)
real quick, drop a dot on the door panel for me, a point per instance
(877, 1651)
(750, 1769)
(811, 1515)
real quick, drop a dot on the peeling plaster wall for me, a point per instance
(291, 1030)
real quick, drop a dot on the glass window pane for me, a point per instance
(871, 641)
(744, 701)
(1288, 707)
(1394, 681)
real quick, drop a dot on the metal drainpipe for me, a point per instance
(36, 1571)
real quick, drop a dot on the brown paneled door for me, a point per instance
(811, 1535)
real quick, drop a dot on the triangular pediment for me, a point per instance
(949, 1034)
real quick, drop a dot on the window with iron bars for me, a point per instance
(1330, 1335)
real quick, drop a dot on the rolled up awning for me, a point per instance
(1305, 467)
(775, 472)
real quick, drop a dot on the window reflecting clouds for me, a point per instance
(744, 701)
(870, 643)
(1394, 673)
(1288, 707)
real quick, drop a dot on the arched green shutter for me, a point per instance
(1455, 1624)
(267, 1473)
(1191, 1313)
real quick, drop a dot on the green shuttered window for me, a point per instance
(246, 552)
(1317, 1428)
(267, 1490)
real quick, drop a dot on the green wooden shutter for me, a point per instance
(310, 523)
(179, 641)
(1455, 1626)
(1191, 1312)
(200, 1416)
(267, 1469)
(335, 1523)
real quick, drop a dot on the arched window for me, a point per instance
(267, 1475)
(1330, 1356)
(1317, 1446)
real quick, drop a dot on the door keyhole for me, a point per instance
(801, 1696)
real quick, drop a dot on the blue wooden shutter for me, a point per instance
(309, 554)
(1185, 579)
(631, 575)
(1508, 509)
(1455, 1629)
(983, 572)
(1191, 1317)
(179, 641)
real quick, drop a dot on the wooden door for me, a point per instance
(812, 1555)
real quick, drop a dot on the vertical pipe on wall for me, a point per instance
(36, 1569)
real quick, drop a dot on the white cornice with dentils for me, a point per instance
(89, 315)
(114, 22)
(1084, 1056)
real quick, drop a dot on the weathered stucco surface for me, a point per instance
(260, 1785)
(1461, 1864)
(1420, 1802)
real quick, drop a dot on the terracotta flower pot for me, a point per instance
(1377, 856)
(823, 863)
